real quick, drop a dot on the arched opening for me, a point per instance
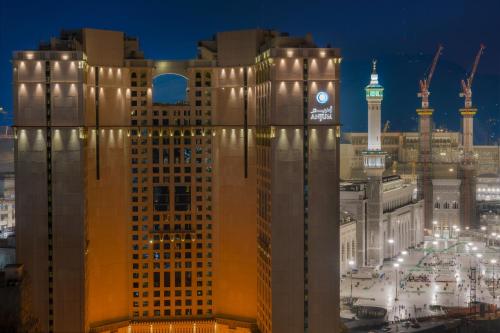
(170, 89)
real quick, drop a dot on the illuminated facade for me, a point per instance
(297, 165)
(136, 215)
(402, 220)
(374, 166)
(7, 195)
(402, 149)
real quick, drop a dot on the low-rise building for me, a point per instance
(402, 221)
(446, 199)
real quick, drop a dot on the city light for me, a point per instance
(190, 225)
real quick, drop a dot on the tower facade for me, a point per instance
(298, 202)
(424, 180)
(374, 166)
(136, 216)
(468, 216)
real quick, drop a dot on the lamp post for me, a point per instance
(396, 265)
(391, 242)
(351, 265)
(434, 223)
(493, 262)
(483, 228)
(453, 230)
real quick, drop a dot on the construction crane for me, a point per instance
(467, 85)
(426, 82)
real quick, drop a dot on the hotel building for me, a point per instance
(219, 214)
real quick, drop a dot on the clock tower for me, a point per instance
(374, 166)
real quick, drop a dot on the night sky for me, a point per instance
(402, 35)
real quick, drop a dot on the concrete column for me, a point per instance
(374, 212)
(468, 186)
(425, 163)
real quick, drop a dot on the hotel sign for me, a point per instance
(323, 111)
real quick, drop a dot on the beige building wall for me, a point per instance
(348, 246)
(298, 205)
(94, 249)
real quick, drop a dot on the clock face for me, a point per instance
(375, 93)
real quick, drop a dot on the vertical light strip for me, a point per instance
(48, 151)
(97, 166)
(305, 151)
(245, 119)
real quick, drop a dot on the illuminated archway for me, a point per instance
(170, 88)
(170, 82)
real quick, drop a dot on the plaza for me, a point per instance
(422, 281)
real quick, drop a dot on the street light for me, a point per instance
(391, 241)
(396, 265)
(493, 262)
(351, 264)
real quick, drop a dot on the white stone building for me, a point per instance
(446, 200)
(402, 220)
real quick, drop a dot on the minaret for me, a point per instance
(468, 187)
(425, 190)
(467, 174)
(425, 144)
(374, 165)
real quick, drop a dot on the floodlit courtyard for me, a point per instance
(418, 282)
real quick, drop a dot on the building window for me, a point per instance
(182, 198)
(161, 198)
